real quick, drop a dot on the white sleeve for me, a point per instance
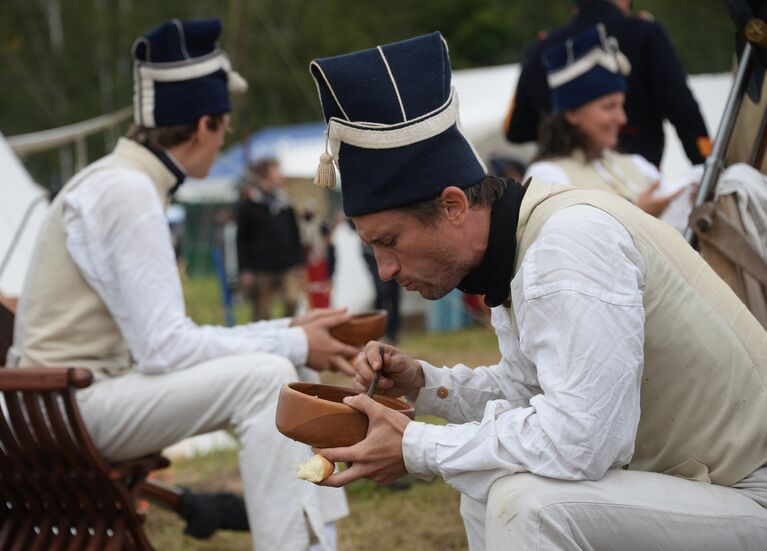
(581, 321)
(549, 173)
(458, 394)
(118, 236)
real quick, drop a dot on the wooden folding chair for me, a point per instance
(56, 490)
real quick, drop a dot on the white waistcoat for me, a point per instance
(60, 320)
(704, 382)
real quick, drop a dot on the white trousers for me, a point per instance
(626, 511)
(135, 414)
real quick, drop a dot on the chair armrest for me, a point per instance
(43, 378)
(137, 467)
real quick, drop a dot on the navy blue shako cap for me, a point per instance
(585, 67)
(180, 74)
(394, 130)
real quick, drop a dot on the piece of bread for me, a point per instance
(315, 469)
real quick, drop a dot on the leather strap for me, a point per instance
(720, 232)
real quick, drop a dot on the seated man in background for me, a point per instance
(103, 293)
(628, 408)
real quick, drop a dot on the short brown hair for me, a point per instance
(482, 194)
(163, 137)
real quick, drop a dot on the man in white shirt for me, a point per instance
(627, 409)
(103, 292)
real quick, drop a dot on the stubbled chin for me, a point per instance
(431, 294)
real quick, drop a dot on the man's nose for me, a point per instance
(387, 265)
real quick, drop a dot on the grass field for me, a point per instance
(422, 517)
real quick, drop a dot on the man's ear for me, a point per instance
(203, 127)
(455, 203)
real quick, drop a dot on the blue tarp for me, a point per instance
(267, 142)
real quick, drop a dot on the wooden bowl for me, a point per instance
(315, 414)
(364, 327)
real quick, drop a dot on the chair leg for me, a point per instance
(6, 533)
(137, 535)
(96, 541)
(41, 537)
(77, 542)
(58, 540)
(23, 536)
(117, 541)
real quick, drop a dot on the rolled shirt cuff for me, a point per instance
(418, 453)
(421, 441)
(423, 444)
(437, 396)
(295, 345)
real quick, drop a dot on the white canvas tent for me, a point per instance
(22, 206)
(22, 202)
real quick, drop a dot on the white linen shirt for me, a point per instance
(564, 400)
(118, 236)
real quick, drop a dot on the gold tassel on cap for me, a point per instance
(326, 172)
